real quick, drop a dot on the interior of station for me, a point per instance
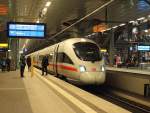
(106, 40)
(123, 32)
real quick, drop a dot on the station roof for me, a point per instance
(62, 11)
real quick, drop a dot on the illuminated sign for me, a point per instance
(3, 45)
(100, 28)
(143, 48)
(26, 30)
(3, 9)
(103, 50)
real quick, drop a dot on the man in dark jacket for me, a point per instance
(44, 64)
(22, 65)
(28, 61)
(8, 61)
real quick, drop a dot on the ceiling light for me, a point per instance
(122, 24)
(108, 29)
(141, 18)
(146, 31)
(115, 27)
(131, 21)
(103, 30)
(20, 52)
(44, 11)
(48, 3)
(37, 21)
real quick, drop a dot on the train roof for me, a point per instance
(68, 41)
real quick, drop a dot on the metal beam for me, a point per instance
(147, 1)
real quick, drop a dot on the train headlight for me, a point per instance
(103, 68)
(82, 68)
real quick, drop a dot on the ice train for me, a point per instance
(78, 59)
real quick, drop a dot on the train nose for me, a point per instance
(92, 78)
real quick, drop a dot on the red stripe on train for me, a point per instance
(65, 67)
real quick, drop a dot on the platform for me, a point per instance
(40, 94)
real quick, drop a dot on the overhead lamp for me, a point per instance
(103, 30)
(48, 3)
(115, 27)
(122, 24)
(146, 31)
(131, 21)
(44, 10)
(37, 21)
(20, 52)
(142, 18)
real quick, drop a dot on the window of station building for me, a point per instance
(63, 58)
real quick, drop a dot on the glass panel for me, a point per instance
(87, 51)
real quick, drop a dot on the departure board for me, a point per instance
(144, 48)
(26, 30)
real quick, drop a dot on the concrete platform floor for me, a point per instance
(13, 95)
(28, 95)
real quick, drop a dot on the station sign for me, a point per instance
(3, 45)
(26, 30)
(103, 50)
(3, 9)
(144, 48)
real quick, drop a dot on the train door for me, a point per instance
(55, 66)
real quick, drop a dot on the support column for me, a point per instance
(111, 47)
(14, 54)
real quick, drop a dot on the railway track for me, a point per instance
(105, 93)
(113, 98)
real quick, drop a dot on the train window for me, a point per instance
(50, 57)
(67, 59)
(87, 51)
(59, 57)
(63, 58)
(41, 57)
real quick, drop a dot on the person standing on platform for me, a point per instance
(3, 64)
(28, 61)
(8, 61)
(44, 65)
(22, 65)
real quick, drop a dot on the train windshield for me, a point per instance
(87, 51)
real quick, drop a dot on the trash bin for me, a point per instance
(147, 90)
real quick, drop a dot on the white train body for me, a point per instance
(78, 59)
